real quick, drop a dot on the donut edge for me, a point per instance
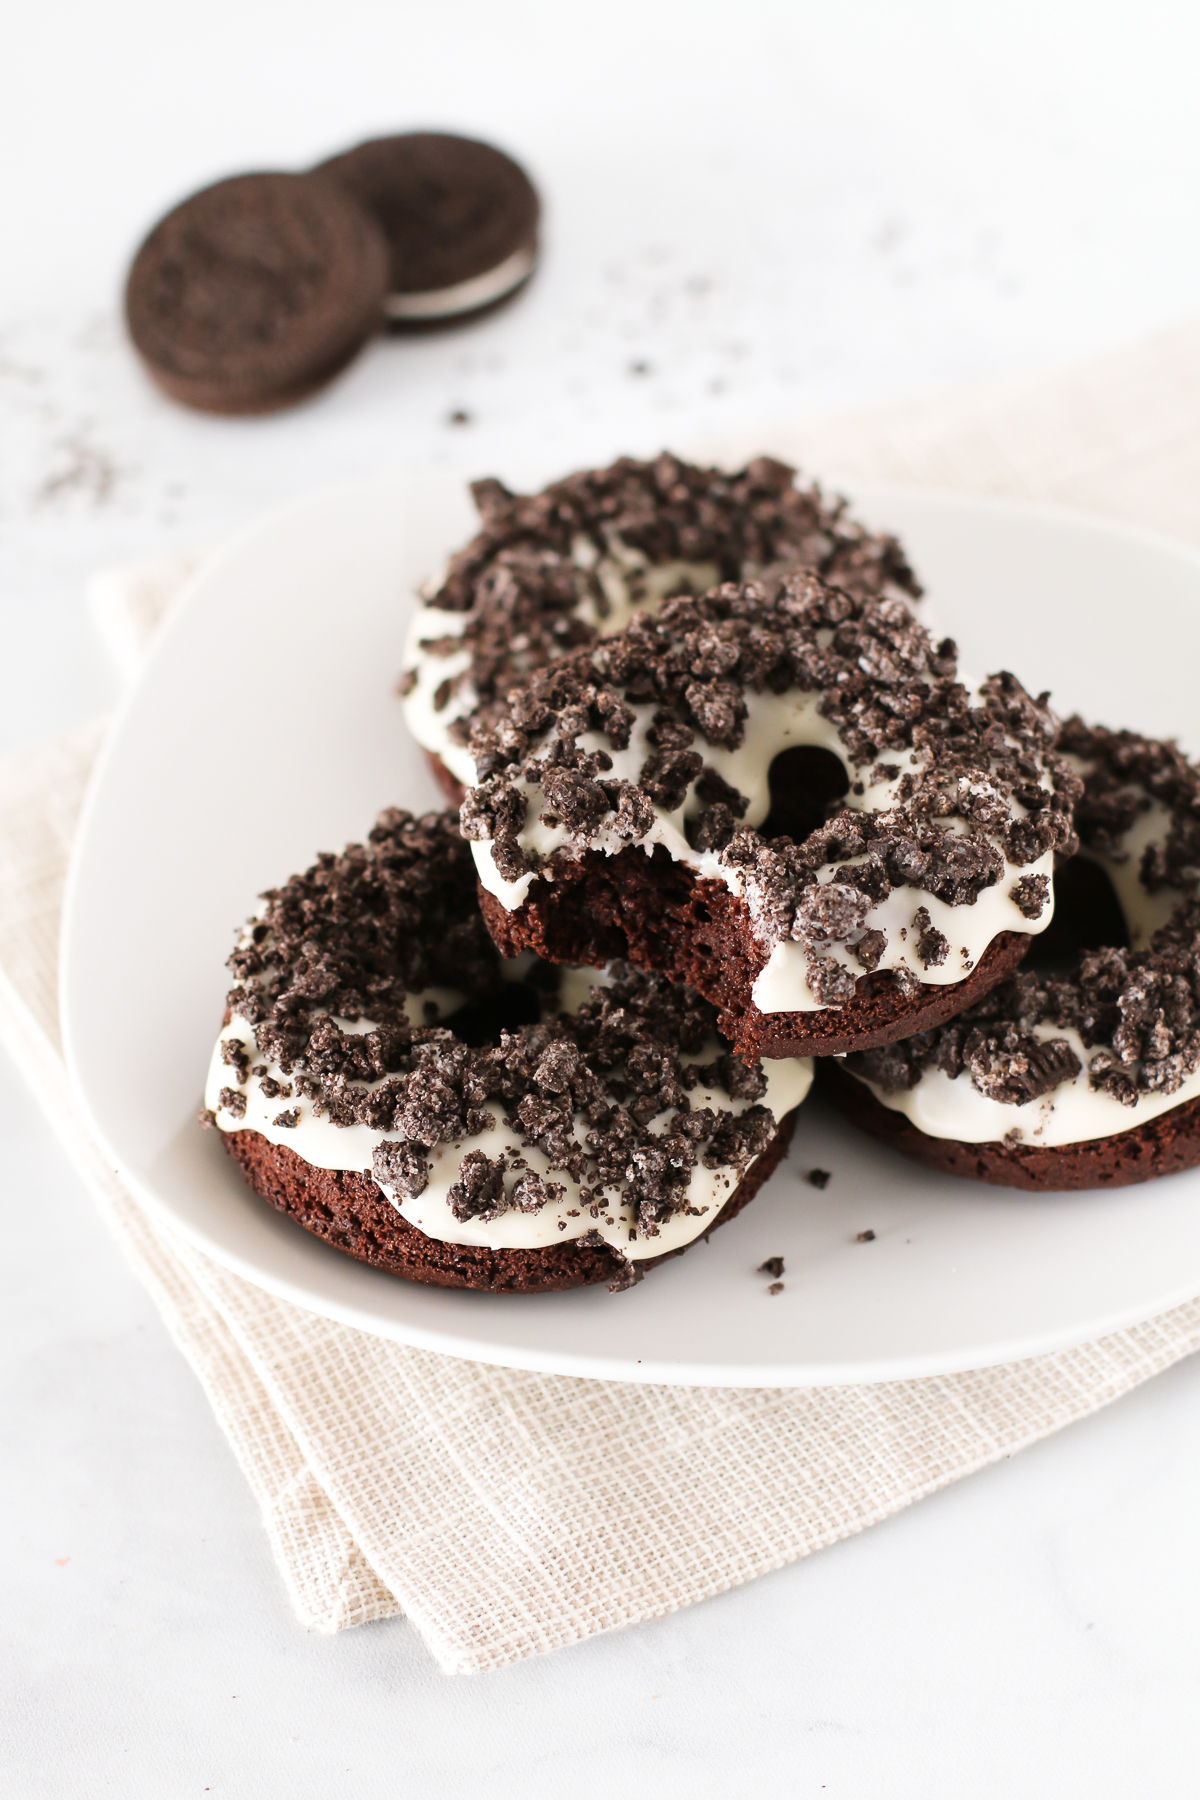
(664, 918)
(347, 1210)
(450, 785)
(1165, 1145)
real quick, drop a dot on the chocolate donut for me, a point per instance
(383, 1078)
(1085, 1074)
(666, 796)
(550, 573)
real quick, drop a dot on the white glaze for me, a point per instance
(775, 722)
(328, 1146)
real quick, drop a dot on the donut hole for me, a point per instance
(1087, 916)
(807, 784)
(484, 1017)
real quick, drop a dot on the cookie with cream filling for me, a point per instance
(460, 219)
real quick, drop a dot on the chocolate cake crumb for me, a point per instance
(818, 1177)
(865, 1237)
(776, 1287)
(772, 1266)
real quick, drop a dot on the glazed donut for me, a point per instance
(384, 1080)
(550, 573)
(1088, 1074)
(631, 803)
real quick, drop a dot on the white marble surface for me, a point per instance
(781, 206)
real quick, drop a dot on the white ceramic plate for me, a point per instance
(265, 728)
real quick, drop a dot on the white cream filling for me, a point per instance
(944, 1106)
(777, 722)
(328, 1146)
(462, 296)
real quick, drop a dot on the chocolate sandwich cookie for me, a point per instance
(388, 1082)
(552, 572)
(1085, 1071)
(257, 290)
(786, 797)
(460, 218)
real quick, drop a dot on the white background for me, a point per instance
(751, 210)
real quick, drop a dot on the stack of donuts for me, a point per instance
(724, 813)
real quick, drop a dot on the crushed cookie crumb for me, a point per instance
(818, 1178)
(235, 1056)
(772, 1266)
(865, 1237)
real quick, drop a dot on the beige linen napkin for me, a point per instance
(509, 1513)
